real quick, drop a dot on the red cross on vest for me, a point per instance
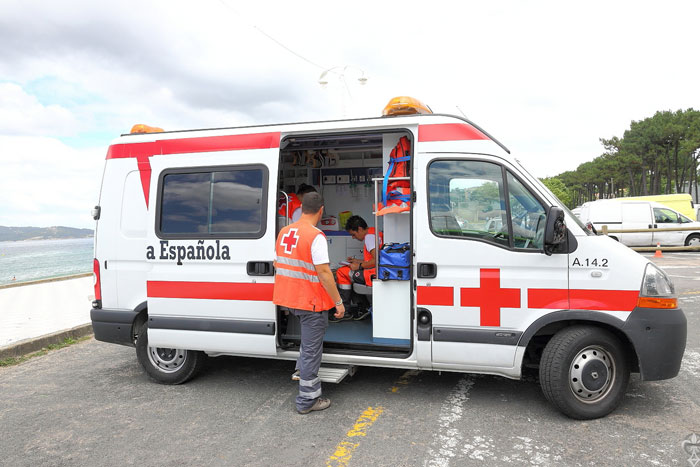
(289, 241)
(490, 297)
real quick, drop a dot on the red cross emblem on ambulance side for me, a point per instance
(490, 297)
(289, 241)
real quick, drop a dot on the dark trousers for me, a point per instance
(313, 328)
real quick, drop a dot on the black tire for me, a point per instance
(167, 366)
(692, 239)
(584, 372)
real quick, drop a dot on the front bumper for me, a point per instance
(658, 337)
(114, 326)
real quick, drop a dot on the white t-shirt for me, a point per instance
(319, 250)
(369, 242)
(296, 215)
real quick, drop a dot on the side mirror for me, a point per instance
(555, 231)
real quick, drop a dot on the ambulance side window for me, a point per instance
(467, 199)
(527, 215)
(215, 203)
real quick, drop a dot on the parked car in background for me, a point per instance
(624, 214)
(681, 202)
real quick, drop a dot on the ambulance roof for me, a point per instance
(454, 133)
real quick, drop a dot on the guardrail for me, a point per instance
(604, 230)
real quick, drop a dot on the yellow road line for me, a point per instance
(346, 448)
(696, 292)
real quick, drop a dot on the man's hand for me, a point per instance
(339, 311)
(355, 264)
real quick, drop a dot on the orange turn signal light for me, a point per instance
(141, 128)
(405, 105)
(656, 302)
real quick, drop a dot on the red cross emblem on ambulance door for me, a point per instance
(490, 297)
(289, 241)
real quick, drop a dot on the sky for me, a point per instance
(546, 78)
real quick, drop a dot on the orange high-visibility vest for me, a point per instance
(294, 204)
(297, 284)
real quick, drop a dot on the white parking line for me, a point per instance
(445, 444)
(691, 363)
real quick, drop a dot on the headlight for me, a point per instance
(657, 289)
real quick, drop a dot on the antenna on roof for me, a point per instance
(460, 111)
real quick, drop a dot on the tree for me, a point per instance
(659, 154)
(559, 189)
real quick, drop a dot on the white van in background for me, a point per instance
(623, 214)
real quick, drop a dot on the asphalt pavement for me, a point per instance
(91, 404)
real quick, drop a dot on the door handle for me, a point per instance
(260, 268)
(427, 270)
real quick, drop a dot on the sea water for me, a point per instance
(31, 260)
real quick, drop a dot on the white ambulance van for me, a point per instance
(503, 278)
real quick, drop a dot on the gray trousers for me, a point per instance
(313, 328)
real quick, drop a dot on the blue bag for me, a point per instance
(394, 262)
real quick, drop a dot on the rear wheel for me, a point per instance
(584, 372)
(693, 240)
(164, 365)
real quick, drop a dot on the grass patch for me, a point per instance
(66, 342)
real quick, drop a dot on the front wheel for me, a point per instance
(584, 372)
(693, 240)
(167, 366)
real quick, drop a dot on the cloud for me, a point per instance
(23, 114)
(547, 78)
(43, 182)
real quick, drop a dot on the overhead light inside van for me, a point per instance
(405, 105)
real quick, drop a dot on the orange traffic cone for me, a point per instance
(658, 254)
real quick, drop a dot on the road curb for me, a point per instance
(35, 344)
(44, 281)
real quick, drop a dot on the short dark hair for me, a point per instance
(311, 203)
(304, 188)
(354, 222)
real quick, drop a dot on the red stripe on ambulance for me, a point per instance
(448, 132)
(583, 299)
(210, 290)
(439, 296)
(621, 300)
(548, 298)
(142, 151)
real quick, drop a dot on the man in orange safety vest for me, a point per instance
(304, 284)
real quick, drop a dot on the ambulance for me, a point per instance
(502, 279)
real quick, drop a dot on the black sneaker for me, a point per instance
(361, 314)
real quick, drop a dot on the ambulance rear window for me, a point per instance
(213, 203)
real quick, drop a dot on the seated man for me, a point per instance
(358, 271)
(294, 203)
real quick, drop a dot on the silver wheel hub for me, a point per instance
(592, 374)
(167, 360)
(694, 241)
